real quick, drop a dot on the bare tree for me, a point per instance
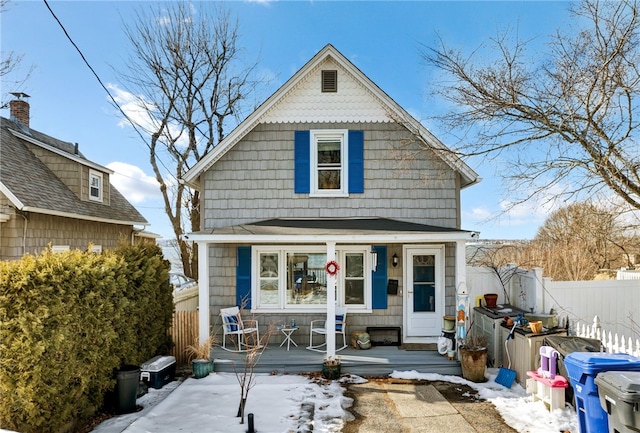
(9, 62)
(577, 241)
(189, 83)
(566, 117)
(504, 260)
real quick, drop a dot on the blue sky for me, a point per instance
(383, 39)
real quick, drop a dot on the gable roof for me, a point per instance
(32, 187)
(379, 107)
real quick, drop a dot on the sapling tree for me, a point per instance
(253, 347)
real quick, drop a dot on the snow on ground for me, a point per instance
(299, 403)
(278, 404)
(517, 408)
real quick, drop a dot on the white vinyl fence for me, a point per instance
(616, 303)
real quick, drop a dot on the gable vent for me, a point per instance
(329, 81)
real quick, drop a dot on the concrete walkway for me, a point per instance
(420, 408)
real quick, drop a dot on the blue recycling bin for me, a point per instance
(582, 368)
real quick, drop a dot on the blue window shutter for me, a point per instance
(356, 162)
(302, 162)
(243, 278)
(379, 280)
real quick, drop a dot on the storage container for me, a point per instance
(549, 321)
(619, 393)
(158, 371)
(566, 345)
(582, 368)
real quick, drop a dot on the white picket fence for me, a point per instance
(615, 304)
(613, 343)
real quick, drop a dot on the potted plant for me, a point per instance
(201, 364)
(473, 357)
(331, 368)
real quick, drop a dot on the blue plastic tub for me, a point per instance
(582, 368)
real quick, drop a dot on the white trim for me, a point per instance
(282, 305)
(57, 151)
(81, 217)
(388, 237)
(10, 196)
(93, 174)
(439, 251)
(204, 302)
(341, 135)
(396, 111)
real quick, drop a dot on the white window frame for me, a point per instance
(282, 305)
(93, 174)
(341, 135)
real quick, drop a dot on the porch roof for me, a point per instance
(339, 230)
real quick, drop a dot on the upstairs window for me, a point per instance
(329, 163)
(95, 185)
(329, 152)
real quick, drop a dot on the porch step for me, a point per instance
(378, 361)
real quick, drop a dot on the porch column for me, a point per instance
(463, 309)
(203, 292)
(461, 267)
(330, 324)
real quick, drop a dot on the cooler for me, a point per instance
(620, 397)
(582, 368)
(158, 371)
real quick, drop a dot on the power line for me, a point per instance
(95, 74)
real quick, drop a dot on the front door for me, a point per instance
(424, 292)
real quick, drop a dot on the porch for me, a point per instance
(377, 361)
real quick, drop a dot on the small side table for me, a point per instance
(287, 336)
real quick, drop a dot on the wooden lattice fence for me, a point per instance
(183, 331)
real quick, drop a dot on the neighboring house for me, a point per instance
(330, 166)
(50, 194)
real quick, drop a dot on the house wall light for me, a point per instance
(374, 259)
(394, 260)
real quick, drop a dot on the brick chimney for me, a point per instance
(19, 109)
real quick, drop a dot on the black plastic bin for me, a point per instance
(566, 345)
(619, 393)
(127, 379)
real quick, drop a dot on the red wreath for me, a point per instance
(332, 268)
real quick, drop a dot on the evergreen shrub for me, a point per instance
(67, 322)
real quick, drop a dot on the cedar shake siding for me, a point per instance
(255, 180)
(44, 197)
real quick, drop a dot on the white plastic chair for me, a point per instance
(319, 327)
(232, 324)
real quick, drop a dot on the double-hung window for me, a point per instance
(294, 278)
(95, 185)
(329, 168)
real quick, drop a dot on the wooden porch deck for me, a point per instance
(377, 361)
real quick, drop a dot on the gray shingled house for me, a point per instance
(330, 167)
(50, 194)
